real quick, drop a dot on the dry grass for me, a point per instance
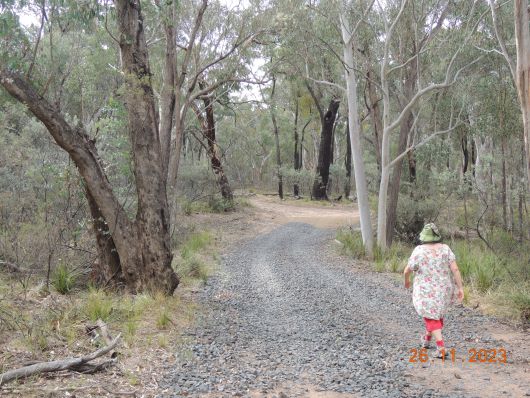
(49, 327)
(40, 326)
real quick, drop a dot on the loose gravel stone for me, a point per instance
(285, 311)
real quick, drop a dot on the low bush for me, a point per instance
(220, 205)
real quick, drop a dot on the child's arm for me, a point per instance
(458, 280)
(407, 273)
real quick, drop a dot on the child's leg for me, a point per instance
(438, 337)
(434, 328)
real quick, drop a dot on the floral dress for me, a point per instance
(434, 286)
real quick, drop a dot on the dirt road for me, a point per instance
(286, 315)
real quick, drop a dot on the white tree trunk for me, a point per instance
(382, 202)
(354, 130)
(522, 42)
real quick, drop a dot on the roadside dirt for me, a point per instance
(272, 212)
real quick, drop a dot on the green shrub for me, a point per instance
(63, 279)
(412, 215)
(352, 243)
(220, 205)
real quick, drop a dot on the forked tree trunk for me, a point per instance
(149, 266)
(142, 244)
(324, 152)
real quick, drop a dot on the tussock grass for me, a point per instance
(352, 243)
(163, 320)
(195, 243)
(63, 279)
(58, 323)
(194, 268)
(196, 259)
(98, 305)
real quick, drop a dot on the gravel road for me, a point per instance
(286, 316)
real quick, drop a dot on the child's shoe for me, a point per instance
(441, 353)
(425, 343)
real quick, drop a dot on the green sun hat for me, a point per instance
(430, 234)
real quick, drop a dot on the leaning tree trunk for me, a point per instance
(106, 270)
(324, 153)
(208, 131)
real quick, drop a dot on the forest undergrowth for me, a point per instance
(40, 323)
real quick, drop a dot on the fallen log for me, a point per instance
(54, 366)
(10, 266)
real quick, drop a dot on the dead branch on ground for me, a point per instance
(80, 364)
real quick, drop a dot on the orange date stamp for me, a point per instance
(473, 355)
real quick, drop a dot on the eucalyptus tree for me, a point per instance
(142, 243)
(211, 52)
(208, 49)
(304, 59)
(392, 15)
(348, 43)
(520, 66)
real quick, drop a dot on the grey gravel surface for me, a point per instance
(286, 313)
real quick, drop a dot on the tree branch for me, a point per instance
(54, 366)
(500, 39)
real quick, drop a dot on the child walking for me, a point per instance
(436, 274)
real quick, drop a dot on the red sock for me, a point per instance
(428, 337)
(440, 344)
